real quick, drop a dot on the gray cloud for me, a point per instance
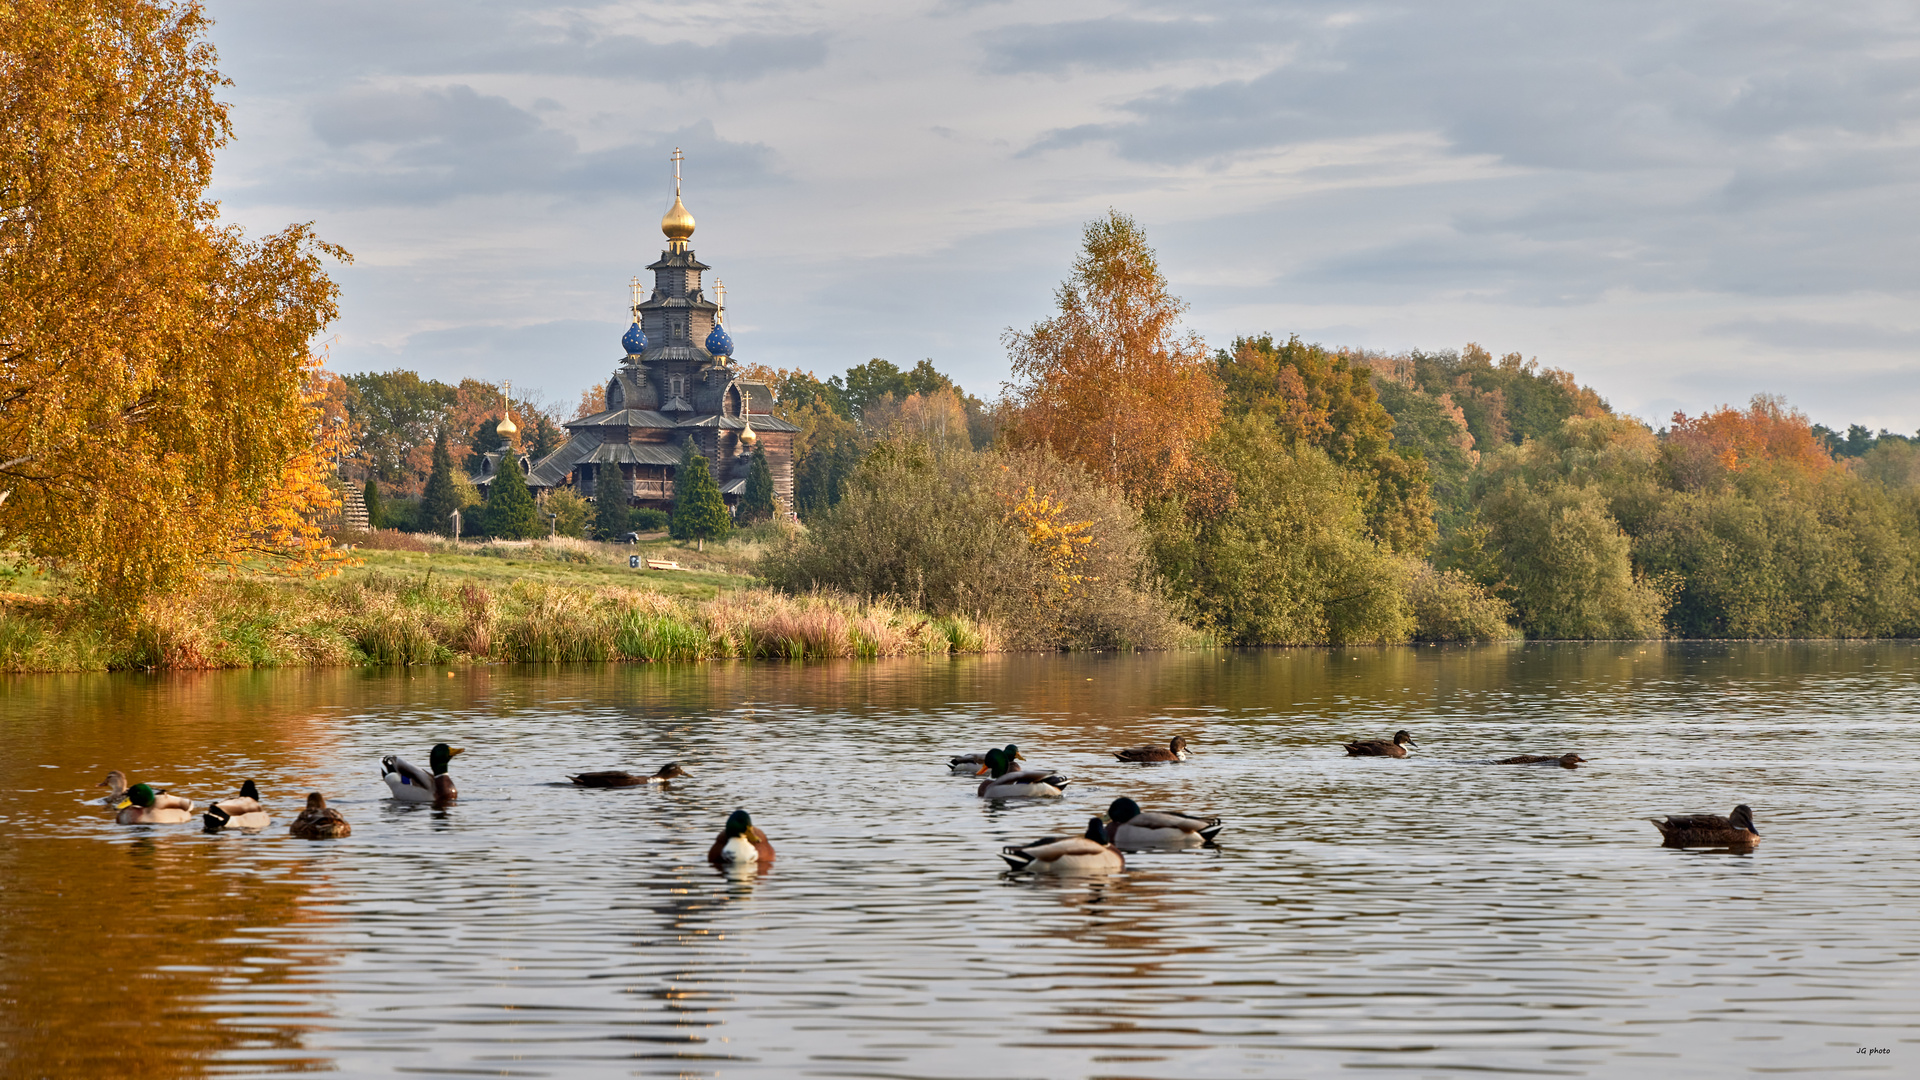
(1820, 334)
(427, 146)
(1115, 44)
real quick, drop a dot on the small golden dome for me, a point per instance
(678, 223)
(506, 426)
(748, 435)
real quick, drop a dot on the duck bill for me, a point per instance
(456, 751)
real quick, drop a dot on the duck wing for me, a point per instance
(1170, 819)
(1144, 753)
(607, 778)
(410, 774)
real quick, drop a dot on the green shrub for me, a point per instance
(1447, 605)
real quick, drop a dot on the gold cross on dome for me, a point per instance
(637, 288)
(678, 157)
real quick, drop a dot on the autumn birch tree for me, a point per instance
(1111, 382)
(157, 402)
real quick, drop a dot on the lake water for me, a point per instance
(1409, 918)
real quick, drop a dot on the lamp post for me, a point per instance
(455, 518)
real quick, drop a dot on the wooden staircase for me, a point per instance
(353, 510)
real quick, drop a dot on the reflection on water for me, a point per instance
(1431, 916)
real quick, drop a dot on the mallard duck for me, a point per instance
(411, 783)
(1709, 830)
(615, 778)
(116, 785)
(1381, 747)
(1086, 854)
(969, 764)
(1565, 761)
(116, 797)
(319, 821)
(1175, 750)
(740, 842)
(1030, 783)
(1134, 829)
(142, 807)
(242, 812)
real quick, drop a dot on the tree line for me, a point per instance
(1280, 492)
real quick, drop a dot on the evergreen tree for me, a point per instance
(485, 440)
(699, 513)
(441, 500)
(375, 513)
(757, 503)
(546, 438)
(610, 513)
(510, 511)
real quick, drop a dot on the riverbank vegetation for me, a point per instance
(440, 603)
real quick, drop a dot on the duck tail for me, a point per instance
(215, 818)
(1016, 858)
(1057, 781)
(1212, 831)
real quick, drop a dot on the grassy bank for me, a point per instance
(414, 601)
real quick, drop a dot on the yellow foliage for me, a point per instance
(1062, 545)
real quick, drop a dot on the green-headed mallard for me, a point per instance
(410, 783)
(1565, 761)
(1175, 750)
(1382, 747)
(740, 842)
(319, 821)
(1134, 829)
(616, 778)
(143, 807)
(1709, 830)
(1089, 853)
(1006, 784)
(241, 812)
(970, 764)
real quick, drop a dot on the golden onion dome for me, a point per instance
(678, 223)
(506, 426)
(747, 434)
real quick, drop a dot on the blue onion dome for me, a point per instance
(635, 339)
(718, 343)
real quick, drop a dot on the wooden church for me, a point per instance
(677, 380)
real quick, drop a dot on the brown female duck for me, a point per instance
(1565, 761)
(1175, 750)
(1381, 747)
(319, 821)
(616, 778)
(1709, 830)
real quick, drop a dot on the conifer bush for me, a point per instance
(511, 514)
(699, 512)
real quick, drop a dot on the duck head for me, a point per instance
(1568, 761)
(740, 823)
(1177, 744)
(670, 770)
(996, 764)
(441, 756)
(1096, 830)
(1742, 818)
(249, 791)
(141, 795)
(115, 783)
(1401, 738)
(316, 801)
(1123, 810)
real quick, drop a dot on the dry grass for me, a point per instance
(388, 619)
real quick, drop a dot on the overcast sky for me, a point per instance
(1684, 204)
